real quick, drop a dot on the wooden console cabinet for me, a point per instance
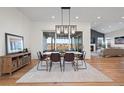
(13, 62)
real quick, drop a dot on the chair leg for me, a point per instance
(77, 65)
(73, 64)
(85, 64)
(50, 66)
(46, 65)
(63, 66)
(38, 64)
(60, 66)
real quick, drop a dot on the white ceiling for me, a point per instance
(110, 16)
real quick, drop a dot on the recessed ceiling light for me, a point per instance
(98, 17)
(120, 22)
(76, 17)
(109, 26)
(122, 17)
(53, 17)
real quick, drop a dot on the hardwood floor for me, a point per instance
(112, 67)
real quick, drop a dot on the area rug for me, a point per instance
(90, 74)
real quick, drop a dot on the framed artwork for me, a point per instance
(119, 40)
(14, 43)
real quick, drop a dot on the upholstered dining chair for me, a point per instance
(69, 57)
(82, 59)
(55, 57)
(41, 59)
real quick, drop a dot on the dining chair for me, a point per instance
(82, 59)
(55, 57)
(41, 59)
(69, 57)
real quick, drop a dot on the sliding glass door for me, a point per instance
(48, 41)
(61, 42)
(77, 41)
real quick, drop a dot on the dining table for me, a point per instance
(76, 53)
(49, 53)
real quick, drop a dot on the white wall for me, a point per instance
(37, 36)
(114, 34)
(14, 22)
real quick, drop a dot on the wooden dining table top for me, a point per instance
(75, 52)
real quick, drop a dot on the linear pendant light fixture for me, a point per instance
(65, 29)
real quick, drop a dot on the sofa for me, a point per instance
(112, 52)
